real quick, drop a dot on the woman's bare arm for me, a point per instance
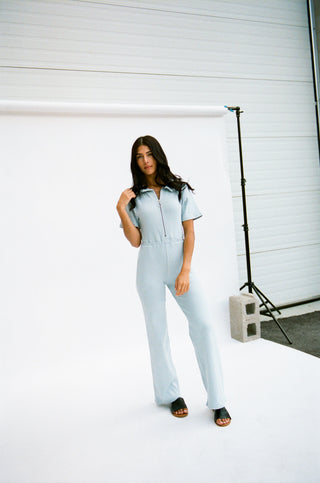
(131, 232)
(182, 282)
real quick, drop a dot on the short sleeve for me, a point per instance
(189, 209)
(132, 217)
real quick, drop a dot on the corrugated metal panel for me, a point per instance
(285, 220)
(286, 275)
(279, 97)
(85, 36)
(276, 166)
(247, 53)
(274, 11)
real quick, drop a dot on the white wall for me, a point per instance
(67, 272)
(253, 54)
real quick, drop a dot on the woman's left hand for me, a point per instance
(182, 283)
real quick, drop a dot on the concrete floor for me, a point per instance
(92, 419)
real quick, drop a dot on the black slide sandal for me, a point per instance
(176, 405)
(221, 413)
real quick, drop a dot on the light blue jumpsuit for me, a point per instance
(159, 263)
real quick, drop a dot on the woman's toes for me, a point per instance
(223, 422)
(180, 412)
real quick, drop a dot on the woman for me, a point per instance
(157, 215)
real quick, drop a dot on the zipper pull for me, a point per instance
(164, 228)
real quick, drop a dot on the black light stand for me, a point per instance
(250, 284)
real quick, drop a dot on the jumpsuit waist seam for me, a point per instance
(167, 241)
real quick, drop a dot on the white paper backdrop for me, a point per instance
(67, 272)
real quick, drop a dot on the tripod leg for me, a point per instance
(266, 298)
(270, 313)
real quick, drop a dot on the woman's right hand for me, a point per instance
(125, 198)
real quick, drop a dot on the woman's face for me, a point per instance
(146, 161)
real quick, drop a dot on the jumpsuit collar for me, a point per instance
(150, 189)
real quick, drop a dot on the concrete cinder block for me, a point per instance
(244, 317)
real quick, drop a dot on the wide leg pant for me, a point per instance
(158, 266)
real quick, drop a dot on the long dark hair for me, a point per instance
(164, 177)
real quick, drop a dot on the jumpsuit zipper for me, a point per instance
(164, 228)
